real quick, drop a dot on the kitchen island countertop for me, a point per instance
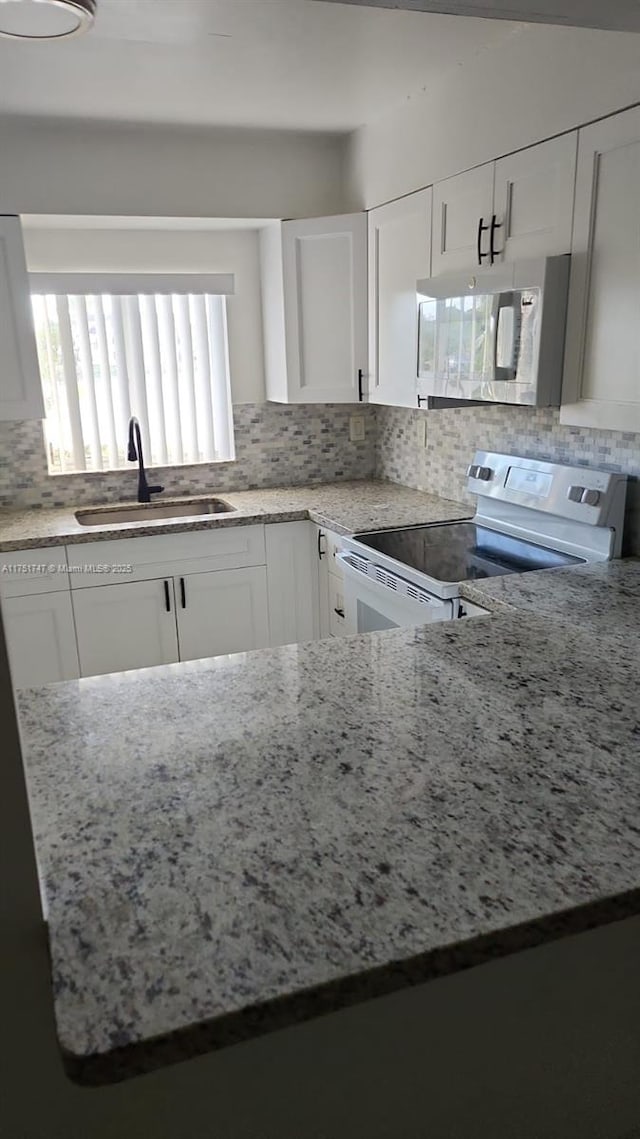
(253, 840)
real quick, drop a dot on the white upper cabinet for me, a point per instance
(517, 208)
(533, 200)
(314, 295)
(399, 254)
(20, 388)
(461, 205)
(601, 385)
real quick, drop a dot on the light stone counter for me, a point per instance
(235, 845)
(602, 598)
(345, 507)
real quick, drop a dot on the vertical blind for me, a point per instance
(105, 356)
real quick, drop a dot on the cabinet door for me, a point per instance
(292, 582)
(323, 554)
(399, 254)
(119, 627)
(222, 612)
(533, 199)
(41, 639)
(459, 204)
(601, 386)
(20, 389)
(325, 305)
(337, 616)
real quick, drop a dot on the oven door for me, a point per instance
(371, 605)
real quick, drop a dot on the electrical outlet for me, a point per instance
(356, 428)
(421, 431)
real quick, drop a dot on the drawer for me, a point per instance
(163, 555)
(337, 619)
(41, 570)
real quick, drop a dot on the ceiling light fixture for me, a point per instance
(45, 19)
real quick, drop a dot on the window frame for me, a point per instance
(137, 285)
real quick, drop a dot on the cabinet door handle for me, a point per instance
(482, 228)
(340, 612)
(360, 390)
(321, 552)
(183, 594)
(167, 597)
(493, 252)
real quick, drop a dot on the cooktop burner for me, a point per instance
(462, 551)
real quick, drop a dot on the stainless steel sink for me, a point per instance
(151, 511)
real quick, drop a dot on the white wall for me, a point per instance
(537, 82)
(56, 167)
(180, 251)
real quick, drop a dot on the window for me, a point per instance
(113, 346)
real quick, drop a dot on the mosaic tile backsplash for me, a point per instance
(294, 445)
(453, 434)
(276, 445)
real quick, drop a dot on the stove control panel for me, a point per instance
(563, 504)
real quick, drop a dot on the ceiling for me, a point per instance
(282, 64)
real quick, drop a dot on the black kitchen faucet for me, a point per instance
(134, 454)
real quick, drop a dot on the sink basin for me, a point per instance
(151, 511)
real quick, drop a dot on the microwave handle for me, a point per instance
(504, 301)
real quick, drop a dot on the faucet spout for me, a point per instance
(134, 454)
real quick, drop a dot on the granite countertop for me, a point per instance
(345, 507)
(274, 835)
(602, 598)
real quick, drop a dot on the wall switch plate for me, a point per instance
(356, 428)
(421, 431)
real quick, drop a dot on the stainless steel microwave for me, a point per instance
(495, 335)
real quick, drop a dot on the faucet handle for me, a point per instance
(156, 489)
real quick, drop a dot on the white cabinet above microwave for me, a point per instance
(515, 208)
(494, 336)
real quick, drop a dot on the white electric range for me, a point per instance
(530, 515)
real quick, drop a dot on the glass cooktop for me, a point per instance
(462, 551)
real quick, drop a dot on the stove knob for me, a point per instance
(484, 473)
(575, 493)
(590, 497)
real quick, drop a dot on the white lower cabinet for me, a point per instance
(337, 615)
(192, 596)
(330, 584)
(222, 612)
(132, 625)
(41, 639)
(292, 582)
